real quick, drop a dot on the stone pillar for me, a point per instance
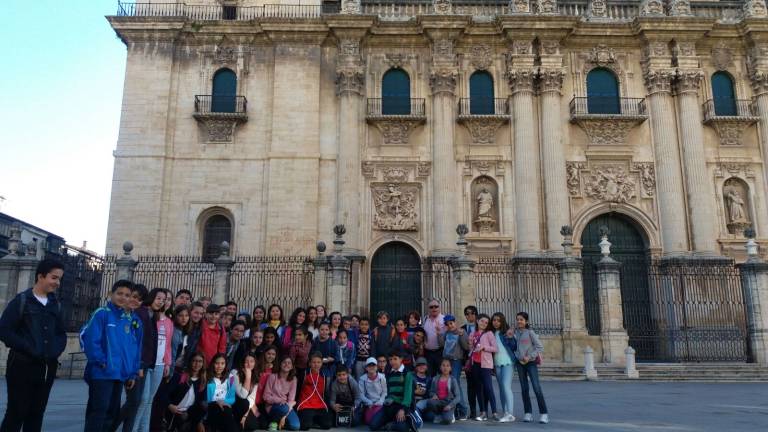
(463, 283)
(319, 288)
(612, 333)
(754, 285)
(589, 364)
(571, 300)
(221, 270)
(553, 156)
(668, 176)
(446, 192)
(759, 78)
(629, 369)
(338, 286)
(350, 87)
(520, 75)
(125, 264)
(26, 277)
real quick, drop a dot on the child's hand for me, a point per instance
(400, 417)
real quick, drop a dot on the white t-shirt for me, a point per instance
(189, 398)
(43, 299)
(221, 389)
(161, 341)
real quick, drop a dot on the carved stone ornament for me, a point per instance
(442, 51)
(647, 177)
(520, 6)
(651, 8)
(396, 60)
(350, 7)
(680, 8)
(601, 55)
(759, 81)
(737, 208)
(226, 52)
(423, 169)
(484, 192)
(481, 57)
(755, 9)
(685, 49)
(730, 129)
(369, 169)
(399, 173)
(551, 80)
(608, 130)
(597, 9)
(573, 177)
(443, 80)
(722, 59)
(522, 47)
(689, 80)
(658, 80)
(395, 174)
(723, 169)
(550, 47)
(397, 130)
(610, 183)
(396, 207)
(521, 80)
(219, 130)
(483, 129)
(546, 7)
(350, 80)
(442, 7)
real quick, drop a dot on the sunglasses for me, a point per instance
(433, 306)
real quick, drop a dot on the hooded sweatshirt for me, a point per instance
(528, 344)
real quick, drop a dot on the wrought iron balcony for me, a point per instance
(483, 116)
(395, 107)
(607, 120)
(224, 106)
(607, 106)
(730, 118)
(483, 106)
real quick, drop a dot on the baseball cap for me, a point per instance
(371, 361)
(448, 318)
(212, 308)
(421, 361)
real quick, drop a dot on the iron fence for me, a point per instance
(80, 287)
(263, 280)
(728, 107)
(483, 106)
(175, 272)
(607, 105)
(437, 278)
(511, 285)
(220, 104)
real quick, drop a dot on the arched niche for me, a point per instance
(737, 204)
(485, 205)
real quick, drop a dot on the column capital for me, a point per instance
(658, 80)
(350, 70)
(442, 79)
(521, 80)
(759, 82)
(551, 80)
(689, 80)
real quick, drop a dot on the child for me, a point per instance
(384, 338)
(421, 380)
(213, 338)
(267, 366)
(402, 337)
(312, 409)
(220, 396)
(399, 397)
(455, 343)
(346, 350)
(345, 394)
(443, 396)
(112, 343)
(280, 397)
(299, 353)
(346, 324)
(373, 390)
(335, 320)
(185, 403)
(270, 337)
(328, 348)
(382, 364)
(362, 347)
(246, 387)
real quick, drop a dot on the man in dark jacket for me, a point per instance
(32, 327)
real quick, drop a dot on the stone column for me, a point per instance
(125, 264)
(338, 286)
(698, 182)
(668, 176)
(572, 301)
(319, 288)
(614, 336)
(754, 284)
(350, 87)
(446, 192)
(221, 271)
(759, 77)
(553, 156)
(463, 283)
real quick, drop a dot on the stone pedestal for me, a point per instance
(754, 284)
(319, 289)
(338, 286)
(463, 284)
(589, 364)
(125, 264)
(572, 306)
(222, 267)
(613, 334)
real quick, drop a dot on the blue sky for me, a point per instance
(61, 88)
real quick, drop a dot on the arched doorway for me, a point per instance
(395, 280)
(630, 249)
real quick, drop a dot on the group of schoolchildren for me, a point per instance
(197, 366)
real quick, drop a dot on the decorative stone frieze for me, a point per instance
(680, 8)
(396, 172)
(607, 129)
(597, 10)
(396, 130)
(351, 7)
(722, 57)
(755, 9)
(481, 57)
(759, 81)
(350, 80)
(551, 80)
(442, 7)
(573, 177)
(225, 54)
(550, 47)
(731, 129)
(483, 128)
(647, 177)
(651, 8)
(395, 60)
(219, 129)
(520, 6)
(396, 206)
(521, 80)
(546, 7)
(610, 183)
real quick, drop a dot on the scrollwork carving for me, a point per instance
(755, 9)
(520, 6)
(396, 207)
(481, 57)
(610, 183)
(546, 7)
(658, 80)
(395, 174)
(689, 80)
(573, 180)
(722, 59)
(608, 130)
(443, 79)
(521, 80)
(551, 80)
(651, 8)
(442, 7)
(483, 129)
(397, 130)
(680, 8)
(647, 177)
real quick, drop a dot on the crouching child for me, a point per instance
(396, 411)
(444, 394)
(344, 398)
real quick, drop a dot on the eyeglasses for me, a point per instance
(433, 306)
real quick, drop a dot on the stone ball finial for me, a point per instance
(462, 230)
(224, 248)
(749, 233)
(127, 248)
(566, 230)
(339, 230)
(320, 246)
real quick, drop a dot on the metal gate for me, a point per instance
(395, 280)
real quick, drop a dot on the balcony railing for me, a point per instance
(728, 109)
(225, 106)
(607, 106)
(395, 106)
(727, 11)
(483, 106)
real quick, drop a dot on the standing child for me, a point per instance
(280, 397)
(335, 320)
(504, 362)
(373, 390)
(382, 364)
(397, 405)
(483, 348)
(220, 396)
(529, 350)
(444, 394)
(403, 342)
(352, 331)
(346, 350)
(328, 348)
(312, 409)
(384, 338)
(362, 347)
(455, 344)
(112, 343)
(299, 353)
(345, 395)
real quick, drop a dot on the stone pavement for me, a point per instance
(573, 406)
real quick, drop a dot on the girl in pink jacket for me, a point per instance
(483, 346)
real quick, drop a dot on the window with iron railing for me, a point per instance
(602, 92)
(396, 93)
(218, 229)
(481, 100)
(723, 95)
(223, 98)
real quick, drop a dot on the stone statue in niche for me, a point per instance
(485, 217)
(735, 200)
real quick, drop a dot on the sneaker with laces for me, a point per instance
(528, 417)
(272, 426)
(507, 418)
(544, 419)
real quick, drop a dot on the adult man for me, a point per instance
(433, 327)
(470, 314)
(183, 297)
(32, 327)
(233, 343)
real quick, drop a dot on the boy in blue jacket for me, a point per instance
(112, 342)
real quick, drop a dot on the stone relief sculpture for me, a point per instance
(610, 183)
(395, 207)
(484, 193)
(735, 196)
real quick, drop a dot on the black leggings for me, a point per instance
(319, 418)
(221, 419)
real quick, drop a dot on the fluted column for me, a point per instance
(697, 180)
(445, 182)
(527, 215)
(553, 156)
(760, 90)
(668, 171)
(350, 87)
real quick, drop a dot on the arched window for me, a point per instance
(224, 91)
(396, 93)
(217, 229)
(481, 93)
(602, 92)
(723, 94)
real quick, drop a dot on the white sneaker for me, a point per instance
(507, 418)
(544, 419)
(528, 417)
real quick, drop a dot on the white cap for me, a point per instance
(371, 361)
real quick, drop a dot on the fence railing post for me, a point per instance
(319, 288)
(222, 267)
(754, 285)
(126, 264)
(463, 283)
(612, 333)
(589, 363)
(572, 300)
(340, 268)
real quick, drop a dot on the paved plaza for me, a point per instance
(574, 406)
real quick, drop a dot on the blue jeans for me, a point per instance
(524, 372)
(103, 404)
(504, 378)
(485, 395)
(279, 411)
(152, 380)
(456, 367)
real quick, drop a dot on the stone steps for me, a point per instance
(693, 372)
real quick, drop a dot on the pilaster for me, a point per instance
(754, 285)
